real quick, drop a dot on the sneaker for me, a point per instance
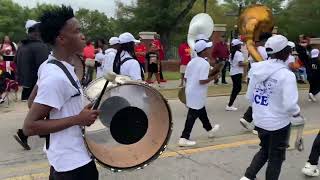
(183, 142)
(22, 139)
(224, 83)
(244, 178)
(312, 97)
(255, 132)
(1, 100)
(231, 108)
(310, 170)
(212, 132)
(163, 80)
(246, 124)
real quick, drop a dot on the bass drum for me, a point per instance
(133, 128)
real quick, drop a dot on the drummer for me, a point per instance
(125, 62)
(58, 98)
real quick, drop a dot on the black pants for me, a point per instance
(315, 151)
(314, 85)
(236, 87)
(161, 75)
(192, 116)
(248, 115)
(26, 91)
(273, 149)
(88, 171)
(223, 72)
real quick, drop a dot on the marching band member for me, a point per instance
(125, 62)
(273, 94)
(59, 100)
(110, 54)
(236, 71)
(197, 79)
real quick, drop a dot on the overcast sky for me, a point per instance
(106, 6)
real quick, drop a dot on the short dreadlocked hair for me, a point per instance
(52, 21)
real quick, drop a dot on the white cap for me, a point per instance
(315, 53)
(202, 45)
(291, 44)
(201, 37)
(127, 37)
(30, 23)
(276, 44)
(236, 42)
(113, 41)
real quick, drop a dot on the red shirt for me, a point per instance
(160, 48)
(220, 50)
(141, 48)
(184, 53)
(88, 52)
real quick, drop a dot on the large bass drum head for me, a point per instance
(133, 127)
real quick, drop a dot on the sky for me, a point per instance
(106, 6)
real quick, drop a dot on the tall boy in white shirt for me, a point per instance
(57, 110)
(197, 79)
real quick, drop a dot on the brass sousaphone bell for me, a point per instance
(255, 20)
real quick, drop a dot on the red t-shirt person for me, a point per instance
(157, 43)
(141, 51)
(220, 51)
(88, 52)
(184, 53)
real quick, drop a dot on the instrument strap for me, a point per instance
(74, 84)
(67, 73)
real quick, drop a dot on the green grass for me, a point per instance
(171, 75)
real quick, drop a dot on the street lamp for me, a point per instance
(205, 2)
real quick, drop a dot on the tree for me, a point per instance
(234, 5)
(300, 17)
(95, 24)
(162, 16)
(12, 20)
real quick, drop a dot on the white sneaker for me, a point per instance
(231, 108)
(310, 170)
(312, 97)
(183, 142)
(255, 132)
(244, 178)
(246, 124)
(212, 132)
(1, 100)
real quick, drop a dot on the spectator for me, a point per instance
(160, 51)
(153, 64)
(141, 51)
(31, 54)
(89, 55)
(185, 57)
(220, 53)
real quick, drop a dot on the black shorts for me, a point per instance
(153, 68)
(88, 171)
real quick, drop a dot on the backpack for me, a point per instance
(117, 65)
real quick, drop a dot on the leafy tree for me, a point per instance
(162, 16)
(95, 24)
(300, 17)
(12, 20)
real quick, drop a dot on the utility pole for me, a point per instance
(205, 2)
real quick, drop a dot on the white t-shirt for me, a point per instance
(67, 150)
(262, 51)
(291, 59)
(196, 93)
(100, 57)
(131, 67)
(234, 64)
(110, 54)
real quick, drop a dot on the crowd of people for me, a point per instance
(54, 89)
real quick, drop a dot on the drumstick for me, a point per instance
(110, 76)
